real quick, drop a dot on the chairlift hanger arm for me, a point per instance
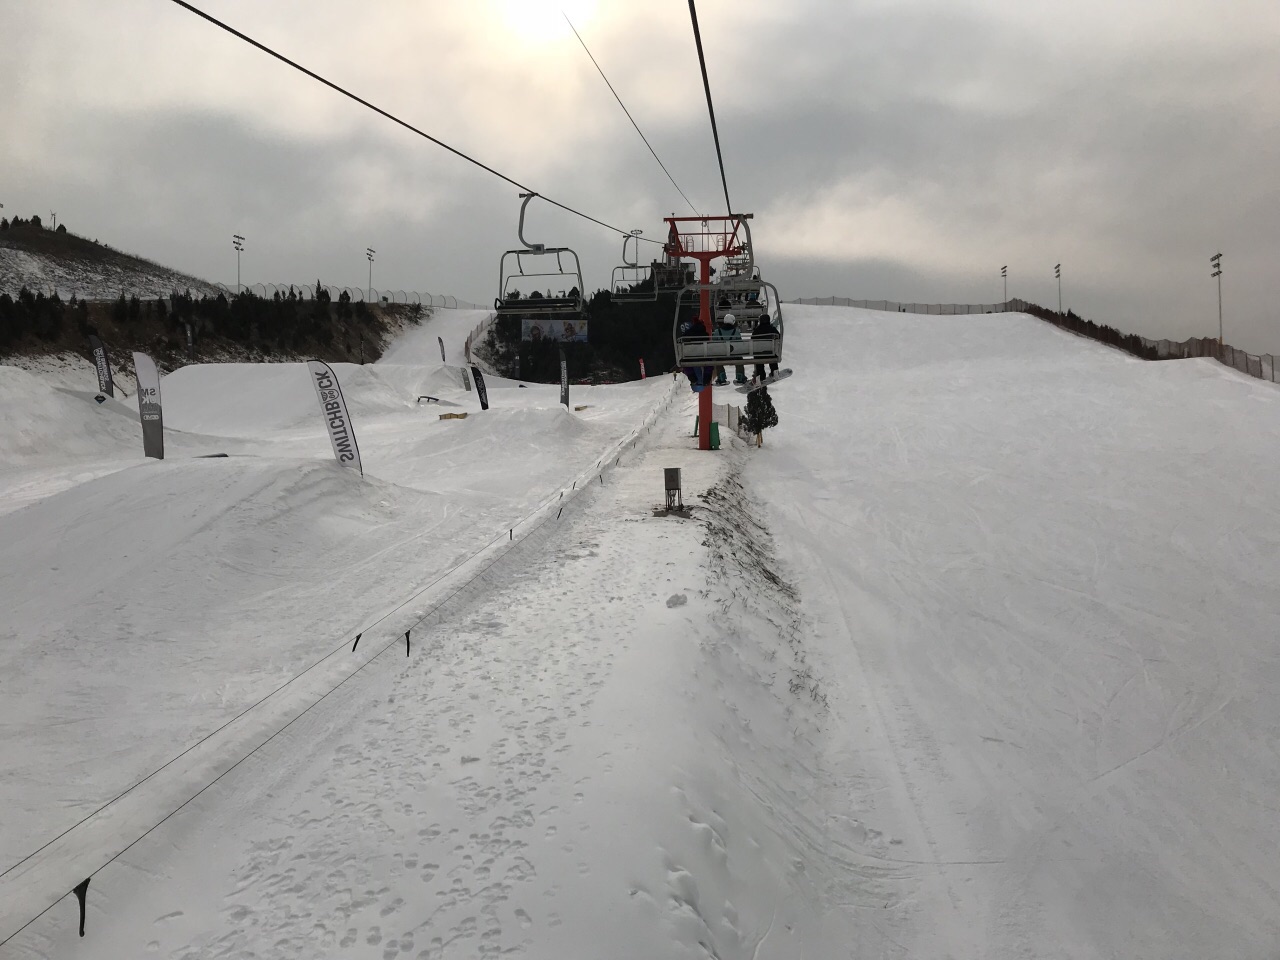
(535, 247)
(627, 261)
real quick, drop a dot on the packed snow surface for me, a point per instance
(975, 657)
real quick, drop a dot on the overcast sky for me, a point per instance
(900, 149)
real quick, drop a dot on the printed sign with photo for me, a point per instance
(555, 329)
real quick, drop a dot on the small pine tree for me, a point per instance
(4, 224)
(760, 414)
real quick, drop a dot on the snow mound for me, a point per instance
(44, 421)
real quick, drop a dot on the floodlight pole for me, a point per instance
(369, 252)
(1216, 261)
(1057, 272)
(237, 241)
(1004, 273)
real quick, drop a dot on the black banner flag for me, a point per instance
(440, 340)
(564, 379)
(480, 389)
(103, 363)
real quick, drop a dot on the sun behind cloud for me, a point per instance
(543, 21)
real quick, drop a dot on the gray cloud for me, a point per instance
(901, 150)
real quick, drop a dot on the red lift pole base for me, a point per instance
(704, 398)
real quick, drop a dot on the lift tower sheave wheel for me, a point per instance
(705, 239)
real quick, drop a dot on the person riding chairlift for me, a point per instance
(692, 329)
(726, 329)
(764, 328)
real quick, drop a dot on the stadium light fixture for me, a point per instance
(1216, 261)
(237, 241)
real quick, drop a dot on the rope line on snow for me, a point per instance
(706, 85)
(600, 70)
(394, 119)
(394, 640)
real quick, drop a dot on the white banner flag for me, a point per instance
(149, 406)
(334, 410)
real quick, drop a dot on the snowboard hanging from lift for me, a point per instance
(756, 384)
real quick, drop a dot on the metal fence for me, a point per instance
(307, 291)
(470, 347)
(729, 415)
(1262, 366)
(935, 309)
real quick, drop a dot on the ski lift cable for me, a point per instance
(706, 85)
(394, 119)
(628, 113)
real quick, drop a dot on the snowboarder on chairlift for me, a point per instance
(764, 328)
(726, 329)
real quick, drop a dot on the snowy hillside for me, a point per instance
(973, 658)
(45, 262)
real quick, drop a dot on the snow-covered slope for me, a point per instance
(103, 276)
(972, 659)
(1043, 577)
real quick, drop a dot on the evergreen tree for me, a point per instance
(760, 415)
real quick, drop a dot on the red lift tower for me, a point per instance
(705, 239)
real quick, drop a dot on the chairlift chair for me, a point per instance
(512, 272)
(633, 283)
(747, 299)
(701, 350)
(739, 267)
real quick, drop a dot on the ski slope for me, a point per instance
(972, 659)
(1044, 573)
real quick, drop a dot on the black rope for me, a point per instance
(706, 85)
(628, 113)
(394, 119)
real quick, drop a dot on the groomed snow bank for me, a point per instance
(186, 589)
